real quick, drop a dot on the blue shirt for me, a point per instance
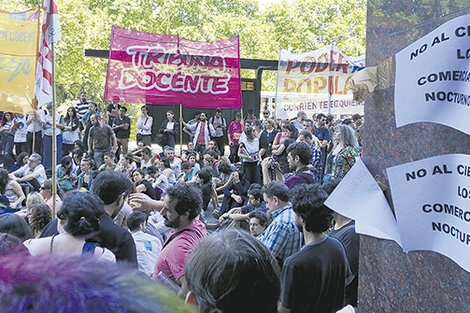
(249, 208)
(282, 237)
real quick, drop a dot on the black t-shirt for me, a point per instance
(112, 109)
(350, 239)
(263, 143)
(313, 279)
(149, 191)
(282, 158)
(110, 236)
(122, 133)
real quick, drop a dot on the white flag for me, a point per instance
(50, 33)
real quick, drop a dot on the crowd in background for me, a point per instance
(252, 187)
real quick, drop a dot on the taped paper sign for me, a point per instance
(359, 197)
(431, 198)
(432, 81)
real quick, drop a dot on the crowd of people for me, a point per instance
(234, 222)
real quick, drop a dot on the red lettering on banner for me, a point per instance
(342, 65)
(310, 61)
(291, 65)
(322, 63)
(332, 59)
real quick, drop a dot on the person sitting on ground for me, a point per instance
(258, 222)
(15, 225)
(255, 203)
(189, 172)
(112, 188)
(147, 246)
(175, 162)
(11, 190)
(250, 275)
(109, 164)
(21, 160)
(189, 151)
(193, 160)
(127, 165)
(46, 192)
(85, 179)
(32, 173)
(235, 194)
(38, 217)
(66, 174)
(204, 182)
(142, 185)
(167, 176)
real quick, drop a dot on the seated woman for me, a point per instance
(66, 174)
(21, 160)
(46, 192)
(142, 185)
(109, 164)
(167, 176)
(85, 179)
(38, 217)
(78, 219)
(11, 190)
(203, 182)
(127, 165)
(12, 224)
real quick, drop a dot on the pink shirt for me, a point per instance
(235, 131)
(172, 258)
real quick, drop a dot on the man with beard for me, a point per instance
(203, 131)
(101, 139)
(112, 188)
(175, 162)
(182, 203)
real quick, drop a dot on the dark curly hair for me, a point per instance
(40, 215)
(308, 203)
(188, 197)
(81, 211)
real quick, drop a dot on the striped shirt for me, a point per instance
(282, 237)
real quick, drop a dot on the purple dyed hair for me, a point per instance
(78, 284)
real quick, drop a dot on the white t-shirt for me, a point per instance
(25, 170)
(21, 129)
(147, 247)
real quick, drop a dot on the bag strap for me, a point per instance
(167, 242)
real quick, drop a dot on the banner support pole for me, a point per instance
(181, 129)
(54, 139)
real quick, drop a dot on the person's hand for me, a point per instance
(266, 163)
(140, 201)
(237, 198)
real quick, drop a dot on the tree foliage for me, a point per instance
(298, 25)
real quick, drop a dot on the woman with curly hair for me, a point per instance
(39, 216)
(78, 220)
(344, 153)
(11, 190)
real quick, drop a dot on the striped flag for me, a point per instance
(50, 33)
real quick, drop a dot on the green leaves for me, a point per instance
(298, 25)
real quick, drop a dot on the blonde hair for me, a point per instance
(34, 198)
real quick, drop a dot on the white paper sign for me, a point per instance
(431, 198)
(359, 197)
(432, 79)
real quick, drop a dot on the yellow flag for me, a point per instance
(18, 52)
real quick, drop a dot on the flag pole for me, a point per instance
(181, 129)
(54, 139)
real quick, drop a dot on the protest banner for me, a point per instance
(161, 69)
(431, 198)
(18, 50)
(316, 82)
(432, 77)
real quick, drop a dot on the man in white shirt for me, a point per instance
(144, 127)
(32, 173)
(147, 246)
(33, 122)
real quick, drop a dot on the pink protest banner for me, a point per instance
(161, 69)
